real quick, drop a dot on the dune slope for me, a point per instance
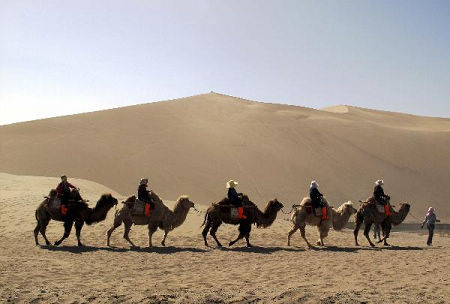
(194, 145)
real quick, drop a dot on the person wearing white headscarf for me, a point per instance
(378, 192)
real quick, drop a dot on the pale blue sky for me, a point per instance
(62, 57)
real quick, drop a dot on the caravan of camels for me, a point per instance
(65, 204)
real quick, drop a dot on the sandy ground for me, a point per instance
(195, 145)
(188, 272)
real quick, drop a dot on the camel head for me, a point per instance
(348, 208)
(185, 202)
(275, 205)
(107, 200)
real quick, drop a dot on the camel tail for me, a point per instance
(359, 216)
(204, 221)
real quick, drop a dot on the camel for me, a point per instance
(336, 219)
(221, 213)
(369, 214)
(78, 212)
(160, 216)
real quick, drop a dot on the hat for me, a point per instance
(379, 182)
(231, 183)
(314, 184)
(144, 181)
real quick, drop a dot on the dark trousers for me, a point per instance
(430, 233)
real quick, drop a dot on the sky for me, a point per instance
(65, 57)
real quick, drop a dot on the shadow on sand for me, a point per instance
(159, 250)
(262, 250)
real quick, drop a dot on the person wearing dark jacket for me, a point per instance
(63, 193)
(235, 198)
(316, 199)
(143, 193)
(378, 192)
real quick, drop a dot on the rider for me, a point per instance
(316, 199)
(378, 194)
(63, 193)
(144, 195)
(235, 198)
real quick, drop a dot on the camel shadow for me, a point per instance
(166, 250)
(400, 248)
(81, 249)
(339, 249)
(262, 250)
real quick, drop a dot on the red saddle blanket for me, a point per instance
(237, 213)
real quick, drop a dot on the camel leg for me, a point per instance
(323, 233)
(67, 228)
(206, 230)
(215, 226)
(126, 233)
(386, 232)
(163, 242)
(303, 233)
(242, 233)
(151, 230)
(247, 236)
(117, 223)
(356, 231)
(36, 232)
(367, 227)
(78, 226)
(293, 230)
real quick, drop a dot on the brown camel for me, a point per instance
(160, 216)
(78, 212)
(336, 219)
(221, 213)
(369, 214)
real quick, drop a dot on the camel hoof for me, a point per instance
(318, 243)
(57, 243)
(163, 244)
(249, 245)
(229, 244)
(372, 245)
(386, 244)
(80, 245)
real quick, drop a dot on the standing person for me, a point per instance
(235, 198)
(376, 232)
(316, 199)
(63, 193)
(430, 220)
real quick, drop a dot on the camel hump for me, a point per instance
(305, 201)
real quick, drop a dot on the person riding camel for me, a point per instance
(235, 198)
(316, 199)
(63, 193)
(380, 197)
(144, 196)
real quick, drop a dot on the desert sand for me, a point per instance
(194, 145)
(188, 272)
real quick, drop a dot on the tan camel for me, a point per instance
(160, 216)
(221, 213)
(369, 214)
(336, 219)
(78, 212)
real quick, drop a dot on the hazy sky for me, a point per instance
(62, 57)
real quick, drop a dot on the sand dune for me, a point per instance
(194, 145)
(188, 272)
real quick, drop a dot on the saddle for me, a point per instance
(321, 212)
(141, 208)
(237, 213)
(381, 208)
